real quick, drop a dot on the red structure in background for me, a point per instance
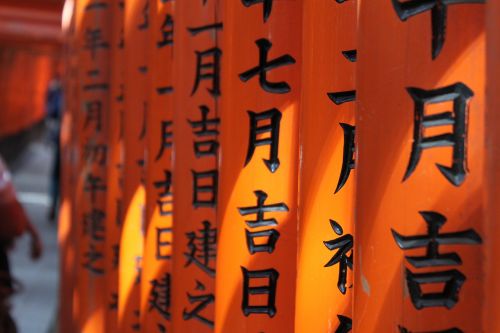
(30, 55)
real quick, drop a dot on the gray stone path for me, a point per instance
(34, 307)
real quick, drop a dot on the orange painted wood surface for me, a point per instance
(79, 290)
(411, 90)
(197, 57)
(492, 170)
(30, 56)
(327, 130)
(30, 25)
(93, 49)
(67, 233)
(114, 160)
(26, 71)
(319, 192)
(268, 100)
(136, 30)
(157, 258)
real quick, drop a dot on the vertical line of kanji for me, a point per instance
(261, 88)
(197, 94)
(420, 133)
(79, 291)
(327, 182)
(93, 108)
(157, 258)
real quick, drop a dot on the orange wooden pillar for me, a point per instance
(77, 197)
(26, 69)
(197, 65)
(93, 48)
(157, 258)
(418, 233)
(136, 28)
(324, 271)
(256, 263)
(492, 170)
(67, 228)
(114, 160)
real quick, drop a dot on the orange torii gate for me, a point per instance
(157, 257)
(420, 134)
(315, 190)
(327, 183)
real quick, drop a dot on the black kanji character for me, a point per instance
(94, 224)
(209, 27)
(203, 301)
(94, 184)
(93, 113)
(205, 191)
(202, 248)
(438, 8)
(94, 41)
(208, 68)
(96, 153)
(343, 245)
(264, 66)
(348, 162)
(271, 119)
(460, 95)
(209, 146)
(159, 296)
(345, 324)
(341, 97)
(270, 290)
(92, 256)
(165, 201)
(433, 239)
(165, 138)
(167, 32)
(260, 210)
(163, 247)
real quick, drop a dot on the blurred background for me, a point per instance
(30, 99)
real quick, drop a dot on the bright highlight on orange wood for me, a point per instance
(136, 34)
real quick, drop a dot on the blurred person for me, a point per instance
(53, 105)
(14, 223)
